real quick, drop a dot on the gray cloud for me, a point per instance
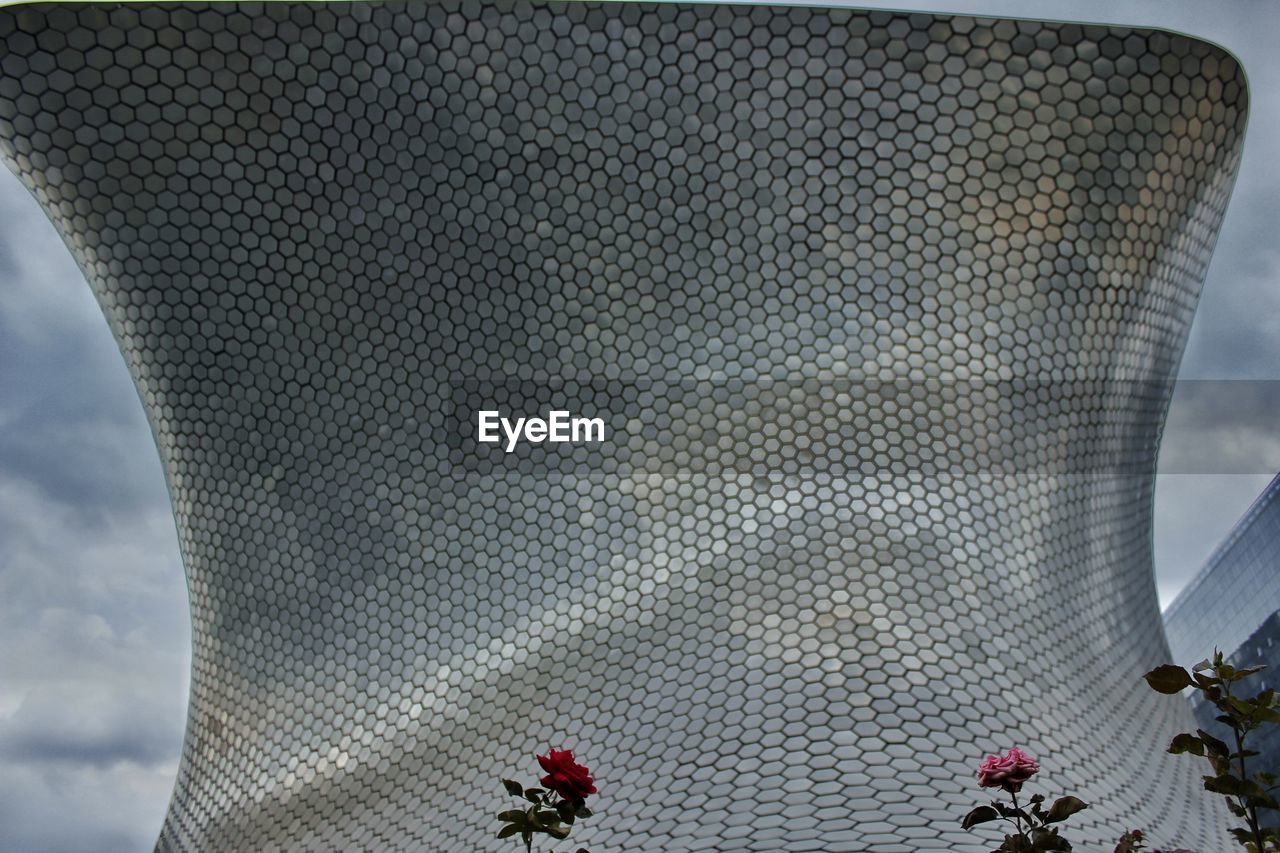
(65, 725)
(1221, 427)
(94, 658)
(60, 809)
(1237, 329)
(94, 632)
(70, 422)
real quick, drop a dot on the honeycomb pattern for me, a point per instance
(879, 309)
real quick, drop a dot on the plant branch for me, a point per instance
(1251, 810)
(1017, 819)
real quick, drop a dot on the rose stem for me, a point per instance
(1016, 818)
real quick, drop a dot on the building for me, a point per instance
(1233, 604)
(1262, 648)
(1236, 591)
(880, 312)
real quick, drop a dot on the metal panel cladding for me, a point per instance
(879, 311)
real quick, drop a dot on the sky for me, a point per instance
(94, 631)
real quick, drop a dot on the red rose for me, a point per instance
(565, 776)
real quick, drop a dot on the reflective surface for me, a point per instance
(879, 311)
(1236, 590)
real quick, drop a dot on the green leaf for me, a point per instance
(1226, 784)
(583, 811)
(1048, 841)
(566, 811)
(1014, 844)
(508, 830)
(1212, 745)
(1220, 764)
(982, 814)
(1206, 682)
(1184, 743)
(1063, 808)
(1266, 715)
(1010, 812)
(1264, 801)
(513, 787)
(1202, 666)
(515, 815)
(1168, 679)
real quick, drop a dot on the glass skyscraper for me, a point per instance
(1236, 590)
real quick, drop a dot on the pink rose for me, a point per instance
(1007, 771)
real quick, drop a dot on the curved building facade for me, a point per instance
(878, 312)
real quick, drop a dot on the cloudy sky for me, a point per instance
(94, 635)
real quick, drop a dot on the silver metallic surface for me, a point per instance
(879, 310)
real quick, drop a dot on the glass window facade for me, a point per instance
(1235, 592)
